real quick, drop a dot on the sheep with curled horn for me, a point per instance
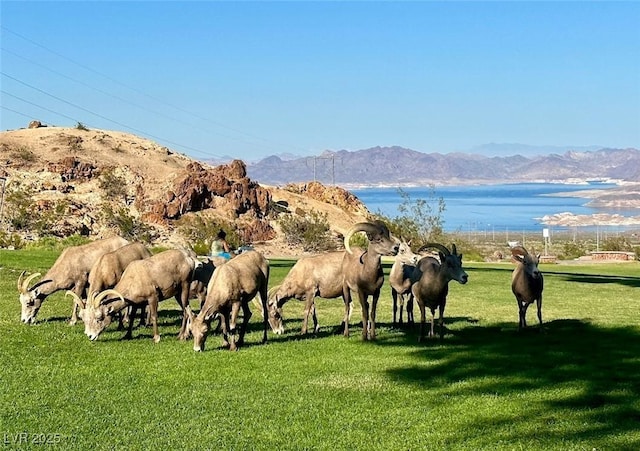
(362, 272)
(400, 280)
(527, 283)
(69, 272)
(107, 270)
(430, 283)
(147, 281)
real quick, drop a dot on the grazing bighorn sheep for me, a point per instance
(107, 271)
(151, 280)
(318, 275)
(232, 287)
(399, 279)
(526, 283)
(430, 283)
(362, 272)
(69, 272)
(202, 276)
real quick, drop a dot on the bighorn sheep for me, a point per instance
(399, 279)
(202, 276)
(107, 271)
(526, 283)
(232, 287)
(318, 275)
(69, 272)
(430, 283)
(362, 272)
(151, 280)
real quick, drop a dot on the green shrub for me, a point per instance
(201, 232)
(24, 154)
(81, 126)
(618, 243)
(10, 240)
(310, 231)
(113, 185)
(129, 227)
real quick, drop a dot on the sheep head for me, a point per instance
(405, 254)
(380, 240)
(275, 311)
(450, 261)
(528, 261)
(30, 298)
(198, 326)
(97, 315)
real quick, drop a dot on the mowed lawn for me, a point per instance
(576, 385)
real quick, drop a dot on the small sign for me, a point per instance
(545, 233)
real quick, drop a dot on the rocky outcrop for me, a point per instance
(200, 188)
(333, 195)
(70, 168)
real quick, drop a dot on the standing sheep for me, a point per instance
(362, 272)
(526, 283)
(399, 279)
(69, 272)
(430, 283)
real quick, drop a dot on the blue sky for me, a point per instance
(249, 80)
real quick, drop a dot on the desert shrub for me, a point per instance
(310, 231)
(113, 185)
(81, 126)
(24, 154)
(201, 232)
(617, 243)
(359, 240)
(129, 227)
(636, 250)
(571, 250)
(10, 240)
(20, 208)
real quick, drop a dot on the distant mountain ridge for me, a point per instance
(401, 166)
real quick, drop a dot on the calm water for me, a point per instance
(490, 207)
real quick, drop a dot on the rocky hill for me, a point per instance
(73, 179)
(400, 166)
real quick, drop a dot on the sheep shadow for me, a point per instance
(602, 362)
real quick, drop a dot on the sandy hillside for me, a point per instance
(33, 156)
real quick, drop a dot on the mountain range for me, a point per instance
(403, 167)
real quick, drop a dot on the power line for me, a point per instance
(208, 121)
(34, 104)
(104, 117)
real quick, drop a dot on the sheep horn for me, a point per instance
(97, 298)
(77, 298)
(359, 227)
(440, 247)
(272, 291)
(519, 250)
(23, 286)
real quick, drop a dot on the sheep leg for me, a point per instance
(79, 291)
(394, 296)
(235, 308)
(182, 298)
(374, 306)
(316, 327)
(265, 310)
(423, 320)
(132, 314)
(346, 295)
(522, 306)
(225, 328)
(153, 314)
(410, 309)
(539, 306)
(441, 320)
(365, 314)
(433, 323)
(308, 305)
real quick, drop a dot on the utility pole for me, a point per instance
(4, 181)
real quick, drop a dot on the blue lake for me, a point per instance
(489, 207)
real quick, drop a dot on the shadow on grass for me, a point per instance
(593, 372)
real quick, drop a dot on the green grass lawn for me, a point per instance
(485, 386)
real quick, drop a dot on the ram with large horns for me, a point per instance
(69, 272)
(362, 272)
(144, 282)
(430, 283)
